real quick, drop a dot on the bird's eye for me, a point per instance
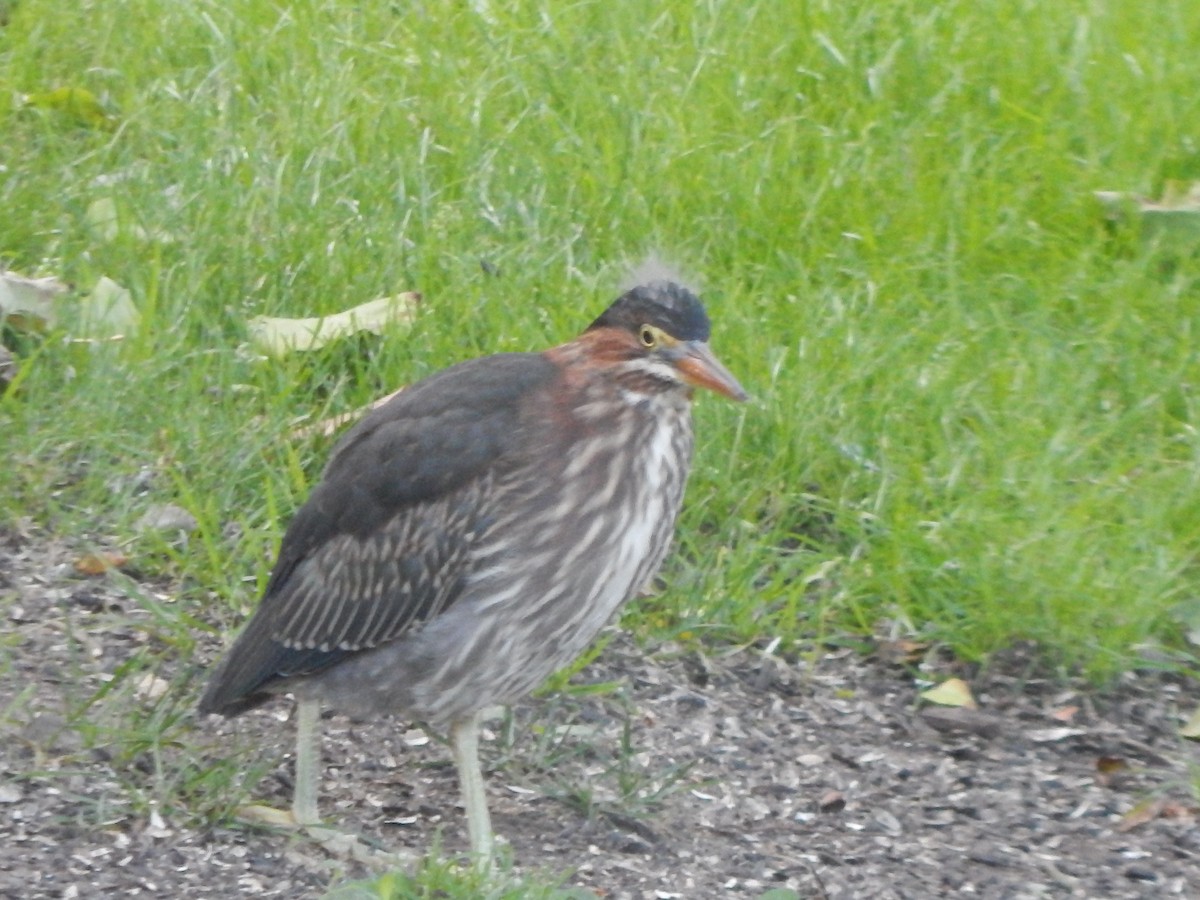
(647, 337)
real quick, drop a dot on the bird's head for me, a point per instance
(662, 330)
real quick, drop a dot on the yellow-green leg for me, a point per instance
(464, 738)
(308, 762)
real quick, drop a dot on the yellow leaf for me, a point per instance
(951, 692)
(76, 103)
(94, 564)
(278, 337)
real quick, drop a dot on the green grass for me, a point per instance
(436, 880)
(976, 405)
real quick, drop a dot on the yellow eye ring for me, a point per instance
(647, 337)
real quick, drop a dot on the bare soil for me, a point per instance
(717, 774)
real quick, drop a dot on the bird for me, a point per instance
(473, 534)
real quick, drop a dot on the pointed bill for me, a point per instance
(701, 368)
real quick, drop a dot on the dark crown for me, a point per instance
(663, 304)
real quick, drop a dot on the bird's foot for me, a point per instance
(256, 814)
(338, 844)
(349, 846)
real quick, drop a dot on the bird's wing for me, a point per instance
(382, 543)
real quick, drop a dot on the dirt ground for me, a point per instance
(721, 775)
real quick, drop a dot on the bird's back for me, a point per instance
(380, 546)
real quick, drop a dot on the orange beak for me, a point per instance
(701, 368)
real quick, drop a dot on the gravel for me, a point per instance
(662, 772)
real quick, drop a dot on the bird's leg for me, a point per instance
(464, 738)
(308, 761)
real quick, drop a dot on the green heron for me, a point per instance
(473, 534)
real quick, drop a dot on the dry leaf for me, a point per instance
(28, 303)
(150, 687)
(328, 427)
(1146, 811)
(1191, 728)
(98, 563)
(951, 692)
(1066, 714)
(1174, 810)
(278, 337)
(1176, 213)
(903, 651)
(1108, 767)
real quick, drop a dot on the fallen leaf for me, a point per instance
(903, 651)
(104, 220)
(76, 103)
(1191, 728)
(1146, 811)
(101, 216)
(1176, 212)
(278, 337)
(1107, 769)
(108, 311)
(951, 692)
(328, 427)
(150, 687)
(27, 304)
(1174, 810)
(93, 564)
